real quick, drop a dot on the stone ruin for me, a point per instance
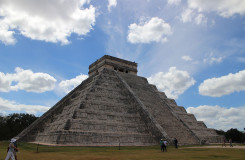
(115, 107)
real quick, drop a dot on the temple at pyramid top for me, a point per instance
(114, 63)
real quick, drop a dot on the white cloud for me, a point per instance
(217, 87)
(5, 82)
(11, 106)
(173, 83)
(225, 8)
(50, 21)
(6, 36)
(187, 15)
(174, 2)
(68, 85)
(200, 18)
(111, 3)
(154, 30)
(186, 58)
(219, 117)
(26, 80)
(212, 59)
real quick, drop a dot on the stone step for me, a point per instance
(161, 112)
(187, 117)
(103, 126)
(203, 132)
(90, 111)
(107, 89)
(96, 138)
(178, 109)
(116, 95)
(103, 100)
(133, 78)
(196, 125)
(105, 105)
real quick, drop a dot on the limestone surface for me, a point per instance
(115, 107)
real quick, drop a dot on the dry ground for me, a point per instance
(219, 146)
(28, 152)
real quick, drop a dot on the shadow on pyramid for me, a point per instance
(115, 107)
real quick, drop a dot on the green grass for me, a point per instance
(28, 152)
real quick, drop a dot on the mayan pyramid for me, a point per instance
(115, 106)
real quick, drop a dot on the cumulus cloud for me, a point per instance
(186, 58)
(225, 8)
(68, 85)
(173, 83)
(219, 117)
(217, 87)
(174, 2)
(26, 80)
(6, 35)
(111, 3)
(11, 106)
(190, 15)
(50, 21)
(154, 30)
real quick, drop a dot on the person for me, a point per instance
(15, 153)
(176, 143)
(11, 150)
(224, 142)
(230, 141)
(161, 144)
(165, 145)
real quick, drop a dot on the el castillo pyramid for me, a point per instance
(115, 106)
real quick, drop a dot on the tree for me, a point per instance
(4, 130)
(13, 124)
(220, 132)
(235, 135)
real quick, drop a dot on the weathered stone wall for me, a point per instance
(113, 63)
(204, 134)
(100, 114)
(171, 124)
(111, 107)
(58, 114)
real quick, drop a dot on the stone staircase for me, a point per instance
(205, 135)
(161, 111)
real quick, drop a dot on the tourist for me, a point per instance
(161, 144)
(16, 150)
(165, 145)
(230, 141)
(224, 141)
(176, 143)
(11, 150)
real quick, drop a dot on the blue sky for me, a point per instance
(193, 50)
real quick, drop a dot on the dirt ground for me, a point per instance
(220, 146)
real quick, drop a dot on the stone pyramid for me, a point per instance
(115, 106)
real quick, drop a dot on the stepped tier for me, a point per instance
(115, 106)
(99, 112)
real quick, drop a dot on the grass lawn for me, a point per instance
(28, 152)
